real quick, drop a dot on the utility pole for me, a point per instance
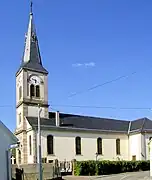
(39, 146)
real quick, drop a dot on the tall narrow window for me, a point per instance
(20, 92)
(118, 146)
(30, 145)
(38, 91)
(78, 145)
(19, 119)
(99, 146)
(19, 156)
(32, 93)
(50, 144)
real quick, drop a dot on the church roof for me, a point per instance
(71, 121)
(31, 59)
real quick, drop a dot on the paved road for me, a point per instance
(125, 176)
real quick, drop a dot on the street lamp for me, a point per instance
(39, 145)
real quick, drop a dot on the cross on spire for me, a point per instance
(31, 7)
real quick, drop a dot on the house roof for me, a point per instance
(8, 132)
(93, 123)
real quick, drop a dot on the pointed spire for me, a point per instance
(31, 57)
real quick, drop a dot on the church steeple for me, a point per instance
(31, 59)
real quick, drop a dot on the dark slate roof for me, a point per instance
(33, 67)
(143, 124)
(137, 124)
(81, 122)
(94, 123)
(46, 122)
(31, 59)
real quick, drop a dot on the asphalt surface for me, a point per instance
(127, 176)
(143, 175)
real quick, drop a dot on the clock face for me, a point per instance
(35, 80)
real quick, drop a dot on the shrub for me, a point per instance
(108, 167)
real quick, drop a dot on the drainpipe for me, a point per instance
(128, 140)
(57, 119)
(12, 146)
(143, 143)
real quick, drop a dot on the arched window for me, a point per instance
(150, 138)
(19, 156)
(20, 92)
(99, 146)
(30, 145)
(19, 118)
(78, 145)
(118, 146)
(50, 144)
(37, 91)
(32, 93)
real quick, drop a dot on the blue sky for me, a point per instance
(83, 43)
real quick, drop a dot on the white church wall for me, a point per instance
(143, 147)
(147, 138)
(64, 145)
(135, 146)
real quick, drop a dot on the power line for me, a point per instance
(4, 106)
(103, 84)
(103, 107)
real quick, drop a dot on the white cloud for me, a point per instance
(89, 64)
(77, 65)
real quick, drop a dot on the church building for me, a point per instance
(68, 136)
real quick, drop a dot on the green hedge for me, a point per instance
(92, 168)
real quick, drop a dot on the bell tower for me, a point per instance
(31, 88)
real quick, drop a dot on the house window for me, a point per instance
(50, 144)
(99, 146)
(38, 91)
(19, 118)
(30, 145)
(118, 146)
(32, 92)
(20, 92)
(78, 145)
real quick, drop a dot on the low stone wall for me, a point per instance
(31, 171)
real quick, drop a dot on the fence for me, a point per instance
(50, 170)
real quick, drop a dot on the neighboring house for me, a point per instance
(67, 136)
(7, 139)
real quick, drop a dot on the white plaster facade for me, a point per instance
(64, 145)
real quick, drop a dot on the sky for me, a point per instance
(83, 44)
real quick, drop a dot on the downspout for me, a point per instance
(9, 169)
(129, 127)
(144, 143)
